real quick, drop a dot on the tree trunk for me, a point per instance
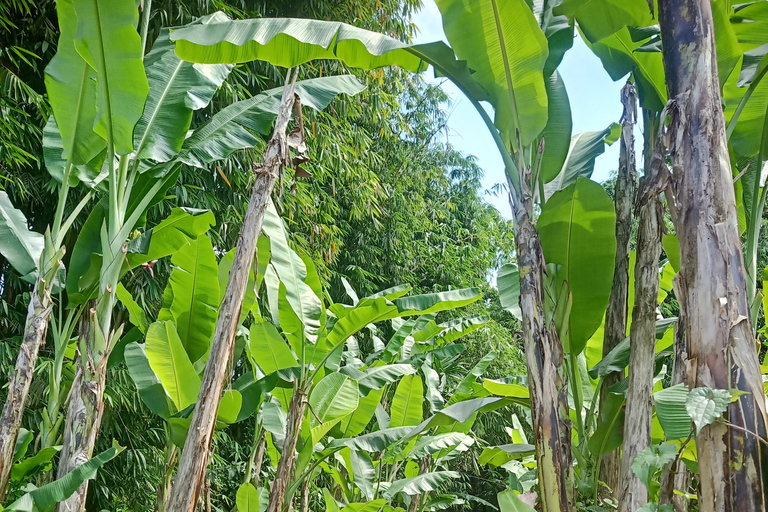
(257, 460)
(196, 452)
(675, 475)
(424, 467)
(616, 314)
(639, 405)
(305, 496)
(284, 472)
(712, 278)
(547, 375)
(83, 416)
(38, 314)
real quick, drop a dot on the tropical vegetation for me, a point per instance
(241, 269)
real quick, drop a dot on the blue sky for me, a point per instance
(594, 100)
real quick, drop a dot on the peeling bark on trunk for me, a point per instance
(712, 278)
(616, 314)
(675, 475)
(38, 315)
(547, 375)
(257, 460)
(305, 496)
(196, 453)
(284, 472)
(639, 405)
(86, 408)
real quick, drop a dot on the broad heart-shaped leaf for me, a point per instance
(670, 404)
(419, 484)
(45, 498)
(333, 397)
(557, 132)
(176, 89)
(247, 498)
(292, 271)
(705, 405)
(195, 292)
(71, 86)
(171, 364)
(150, 389)
(268, 349)
(20, 246)
(510, 502)
(233, 127)
(407, 405)
(503, 44)
(601, 18)
(508, 283)
(288, 42)
(107, 40)
(576, 227)
(650, 461)
(584, 148)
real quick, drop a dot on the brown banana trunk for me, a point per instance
(305, 496)
(616, 314)
(547, 375)
(257, 461)
(38, 315)
(639, 406)
(712, 278)
(423, 468)
(675, 475)
(284, 472)
(86, 408)
(196, 453)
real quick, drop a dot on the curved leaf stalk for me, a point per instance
(196, 453)
(712, 280)
(616, 314)
(253, 469)
(546, 371)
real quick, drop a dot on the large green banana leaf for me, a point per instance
(288, 42)
(363, 472)
(71, 86)
(558, 30)
(419, 484)
(149, 386)
(268, 349)
(407, 404)
(171, 364)
(601, 18)
(577, 227)
(176, 89)
(557, 132)
(20, 246)
(579, 162)
(45, 498)
(194, 288)
(334, 397)
(233, 127)
(247, 499)
(356, 422)
(503, 43)
(107, 40)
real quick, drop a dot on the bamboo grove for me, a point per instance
(638, 304)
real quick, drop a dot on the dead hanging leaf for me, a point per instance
(296, 140)
(302, 173)
(224, 176)
(529, 498)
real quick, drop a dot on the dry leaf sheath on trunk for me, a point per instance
(196, 453)
(617, 312)
(712, 280)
